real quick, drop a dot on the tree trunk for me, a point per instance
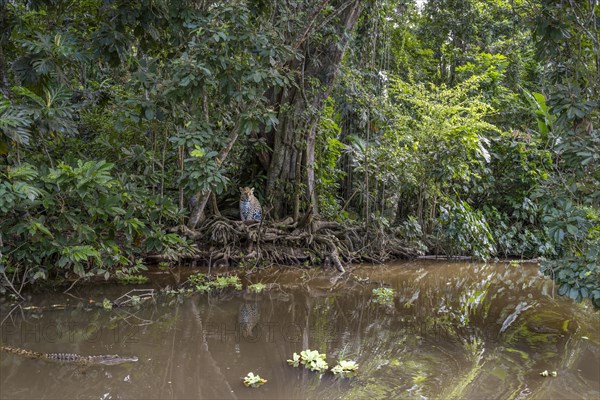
(4, 85)
(4, 35)
(299, 111)
(203, 197)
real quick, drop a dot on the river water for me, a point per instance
(450, 330)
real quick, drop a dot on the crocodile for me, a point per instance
(75, 359)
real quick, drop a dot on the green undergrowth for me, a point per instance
(202, 283)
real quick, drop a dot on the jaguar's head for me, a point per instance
(246, 192)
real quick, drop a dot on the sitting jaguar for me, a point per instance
(250, 209)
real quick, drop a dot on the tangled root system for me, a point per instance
(226, 242)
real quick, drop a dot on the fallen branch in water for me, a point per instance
(129, 299)
(133, 297)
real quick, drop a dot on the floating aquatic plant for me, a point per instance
(344, 368)
(383, 295)
(223, 282)
(107, 304)
(254, 381)
(201, 283)
(257, 287)
(197, 279)
(314, 360)
(311, 359)
(295, 361)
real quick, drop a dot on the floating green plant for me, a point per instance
(514, 263)
(220, 283)
(107, 304)
(164, 266)
(311, 359)
(344, 368)
(223, 282)
(295, 361)
(253, 381)
(201, 283)
(197, 279)
(383, 295)
(257, 287)
(132, 279)
(315, 361)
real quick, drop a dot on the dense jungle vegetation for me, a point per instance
(372, 129)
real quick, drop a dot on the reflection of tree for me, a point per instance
(210, 376)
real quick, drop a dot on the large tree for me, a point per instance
(319, 35)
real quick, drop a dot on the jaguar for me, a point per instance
(250, 209)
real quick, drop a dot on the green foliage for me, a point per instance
(411, 233)
(384, 295)
(543, 116)
(295, 360)
(197, 279)
(78, 218)
(129, 279)
(576, 232)
(202, 283)
(445, 127)
(14, 125)
(315, 361)
(571, 211)
(164, 266)
(466, 230)
(253, 381)
(345, 368)
(206, 174)
(257, 287)
(327, 171)
(578, 276)
(107, 305)
(311, 359)
(446, 132)
(15, 187)
(51, 113)
(569, 224)
(222, 282)
(231, 61)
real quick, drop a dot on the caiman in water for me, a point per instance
(70, 358)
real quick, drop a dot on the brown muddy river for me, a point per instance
(451, 330)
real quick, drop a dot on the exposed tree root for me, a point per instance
(226, 242)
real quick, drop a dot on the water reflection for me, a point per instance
(248, 317)
(452, 331)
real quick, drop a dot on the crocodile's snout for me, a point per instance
(115, 359)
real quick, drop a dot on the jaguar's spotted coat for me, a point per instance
(250, 209)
